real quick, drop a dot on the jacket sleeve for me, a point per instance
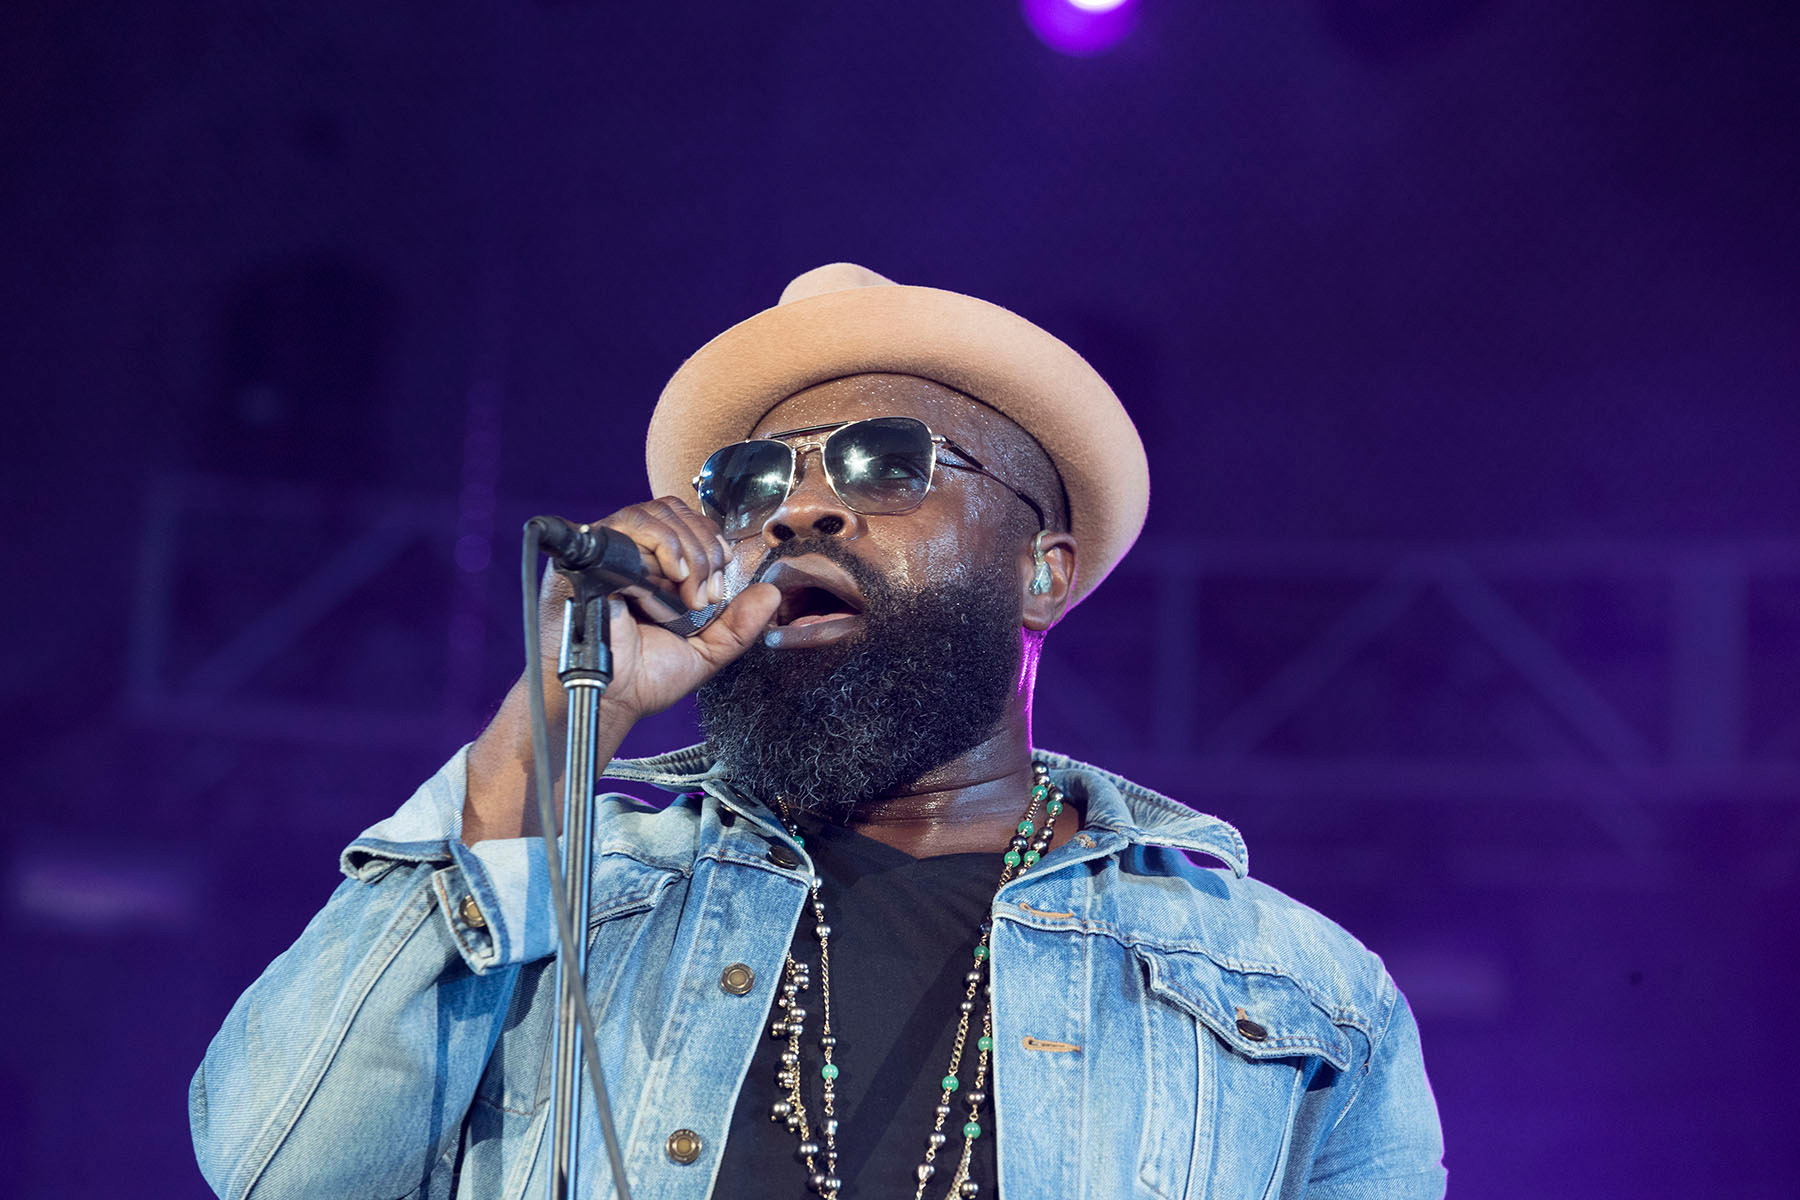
(1387, 1144)
(348, 1066)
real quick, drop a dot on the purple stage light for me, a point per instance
(1080, 27)
(84, 890)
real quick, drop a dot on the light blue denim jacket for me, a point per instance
(1162, 1029)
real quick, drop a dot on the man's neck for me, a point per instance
(971, 804)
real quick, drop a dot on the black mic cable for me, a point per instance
(575, 986)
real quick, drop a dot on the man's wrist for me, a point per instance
(501, 801)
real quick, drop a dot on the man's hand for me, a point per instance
(652, 668)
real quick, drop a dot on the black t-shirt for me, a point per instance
(903, 934)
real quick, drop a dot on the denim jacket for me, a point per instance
(1162, 1028)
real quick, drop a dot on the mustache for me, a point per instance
(874, 585)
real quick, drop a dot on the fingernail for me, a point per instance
(715, 587)
(681, 568)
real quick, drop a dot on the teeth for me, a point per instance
(815, 618)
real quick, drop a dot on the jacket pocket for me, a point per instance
(1230, 1054)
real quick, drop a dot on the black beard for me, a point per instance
(828, 728)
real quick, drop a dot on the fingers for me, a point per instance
(738, 627)
(671, 551)
(679, 544)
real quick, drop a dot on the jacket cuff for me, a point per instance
(504, 886)
(420, 832)
(492, 897)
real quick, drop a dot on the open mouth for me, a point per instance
(820, 602)
(810, 605)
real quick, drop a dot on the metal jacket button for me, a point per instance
(471, 913)
(781, 856)
(737, 979)
(1249, 1028)
(684, 1146)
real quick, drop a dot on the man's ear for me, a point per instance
(1047, 577)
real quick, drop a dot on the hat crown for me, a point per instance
(832, 277)
(842, 319)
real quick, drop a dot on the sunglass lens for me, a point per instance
(741, 484)
(881, 465)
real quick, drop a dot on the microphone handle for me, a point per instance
(616, 562)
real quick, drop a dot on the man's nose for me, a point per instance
(811, 507)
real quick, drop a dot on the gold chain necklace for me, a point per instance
(818, 1148)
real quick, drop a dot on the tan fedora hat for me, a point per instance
(842, 319)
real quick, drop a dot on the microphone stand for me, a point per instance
(585, 668)
(597, 562)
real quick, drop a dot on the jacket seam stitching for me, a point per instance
(1335, 1013)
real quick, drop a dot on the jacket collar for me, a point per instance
(1112, 802)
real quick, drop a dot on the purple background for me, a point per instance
(1462, 335)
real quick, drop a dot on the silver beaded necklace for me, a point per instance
(818, 1148)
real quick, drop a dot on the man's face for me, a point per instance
(836, 709)
(964, 514)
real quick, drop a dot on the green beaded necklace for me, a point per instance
(1028, 845)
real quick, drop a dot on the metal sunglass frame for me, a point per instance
(814, 439)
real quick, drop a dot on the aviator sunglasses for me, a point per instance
(879, 466)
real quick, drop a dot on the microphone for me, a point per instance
(614, 561)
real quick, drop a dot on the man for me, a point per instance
(879, 945)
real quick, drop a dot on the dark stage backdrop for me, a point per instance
(1462, 335)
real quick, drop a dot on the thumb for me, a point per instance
(738, 627)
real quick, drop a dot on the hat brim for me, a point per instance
(985, 351)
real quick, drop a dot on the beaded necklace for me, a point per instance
(789, 1023)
